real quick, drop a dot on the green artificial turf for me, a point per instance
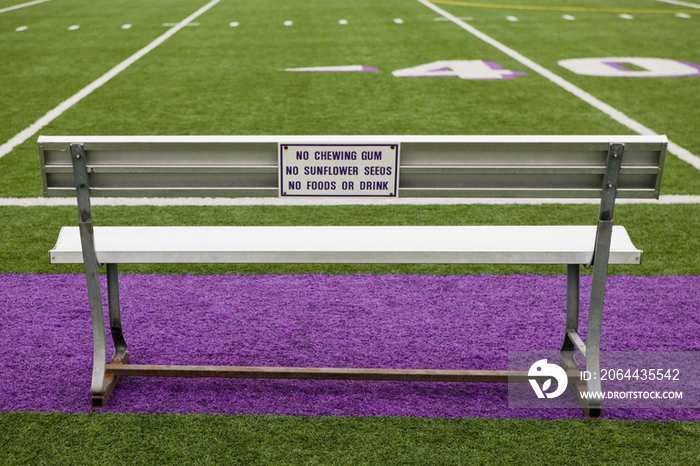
(665, 105)
(46, 64)
(666, 233)
(38, 438)
(217, 79)
(9, 3)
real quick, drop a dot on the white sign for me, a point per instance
(359, 170)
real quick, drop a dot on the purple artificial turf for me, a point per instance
(388, 321)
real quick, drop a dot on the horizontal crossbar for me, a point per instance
(409, 169)
(420, 375)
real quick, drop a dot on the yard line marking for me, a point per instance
(336, 69)
(65, 105)
(254, 201)
(676, 2)
(613, 113)
(175, 24)
(10, 8)
(562, 8)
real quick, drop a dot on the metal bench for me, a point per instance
(430, 166)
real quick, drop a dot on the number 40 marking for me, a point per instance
(465, 69)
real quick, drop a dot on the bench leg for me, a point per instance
(101, 384)
(591, 349)
(572, 308)
(572, 341)
(121, 354)
(600, 260)
(595, 310)
(99, 343)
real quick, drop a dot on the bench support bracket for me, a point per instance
(600, 259)
(102, 383)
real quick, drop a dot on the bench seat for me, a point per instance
(345, 244)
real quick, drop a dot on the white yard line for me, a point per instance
(676, 2)
(616, 115)
(16, 7)
(251, 201)
(62, 107)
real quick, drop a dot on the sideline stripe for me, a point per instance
(62, 107)
(676, 2)
(570, 8)
(253, 201)
(616, 115)
(16, 7)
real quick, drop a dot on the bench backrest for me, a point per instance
(430, 166)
